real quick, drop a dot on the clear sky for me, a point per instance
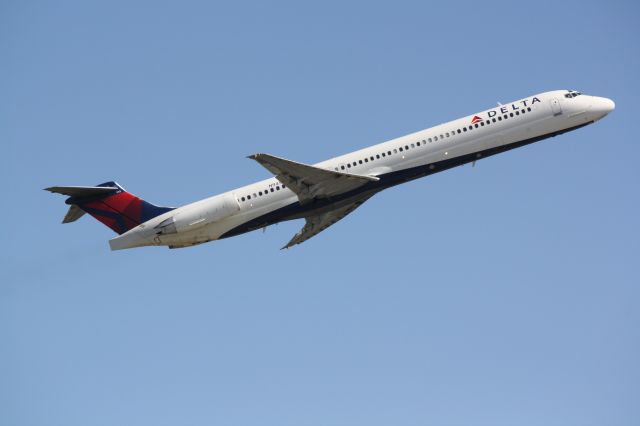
(505, 294)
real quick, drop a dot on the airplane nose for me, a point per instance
(609, 105)
(602, 106)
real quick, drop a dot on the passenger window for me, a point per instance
(435, 139)
(400, 149)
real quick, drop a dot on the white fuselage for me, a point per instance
(408, 157)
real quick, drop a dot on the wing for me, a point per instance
(310, 182)
(318, 223)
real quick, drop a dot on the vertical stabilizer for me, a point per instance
(110, 204)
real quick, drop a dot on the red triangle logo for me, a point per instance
(476, 119)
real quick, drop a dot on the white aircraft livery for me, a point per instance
(325, 192)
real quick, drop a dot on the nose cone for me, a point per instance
(602, 106)
(607, 105)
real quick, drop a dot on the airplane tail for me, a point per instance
(110, 204)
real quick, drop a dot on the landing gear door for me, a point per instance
(555, 107)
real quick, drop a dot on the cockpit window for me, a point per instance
(572, 94)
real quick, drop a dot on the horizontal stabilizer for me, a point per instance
(73, 214)
(82, 191)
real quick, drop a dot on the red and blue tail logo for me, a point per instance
(119, 210)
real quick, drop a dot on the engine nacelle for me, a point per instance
(199, 214)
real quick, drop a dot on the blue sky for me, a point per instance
(502, 294)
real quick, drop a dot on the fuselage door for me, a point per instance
(555, 107)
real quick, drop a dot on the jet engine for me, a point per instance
(198, 215)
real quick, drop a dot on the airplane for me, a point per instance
(326, 192)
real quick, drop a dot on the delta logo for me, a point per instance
(505, 109)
